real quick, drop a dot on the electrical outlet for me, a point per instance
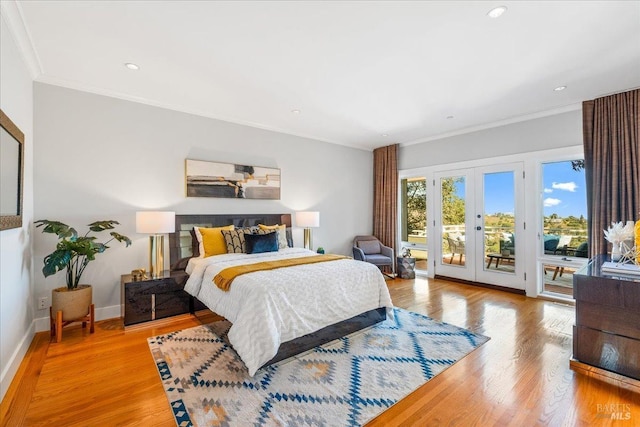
(42, 303)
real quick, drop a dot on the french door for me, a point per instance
(479, 222)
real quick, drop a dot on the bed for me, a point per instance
(281, 312)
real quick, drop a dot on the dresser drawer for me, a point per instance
(609, 351)
(607, 292)
(614, 320)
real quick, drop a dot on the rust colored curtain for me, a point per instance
(385, 194)
(612, 163)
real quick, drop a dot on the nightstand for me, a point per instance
(152, 299)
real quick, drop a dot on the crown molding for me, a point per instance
(12, 14)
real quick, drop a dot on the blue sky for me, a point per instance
(564, 191)
(499, 193)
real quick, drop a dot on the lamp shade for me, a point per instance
(155, 222)
(308, 219)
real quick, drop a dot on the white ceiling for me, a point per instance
(356, 70)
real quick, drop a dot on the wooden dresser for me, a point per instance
(607, 330)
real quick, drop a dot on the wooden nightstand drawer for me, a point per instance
(154, 298)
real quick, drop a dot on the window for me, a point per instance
(564, 225)
(564, 206)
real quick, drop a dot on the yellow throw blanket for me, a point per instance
(225, 277)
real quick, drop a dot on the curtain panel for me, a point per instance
(385, 194)
(611, 127)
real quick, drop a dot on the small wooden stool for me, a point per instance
(57, 324)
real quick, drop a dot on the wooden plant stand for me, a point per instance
(57, 323)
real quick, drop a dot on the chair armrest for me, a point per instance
(358, 254)
(386, 251)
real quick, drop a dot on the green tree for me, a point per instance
(416, 205)
(452, 204)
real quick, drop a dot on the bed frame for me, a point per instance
(183, 246)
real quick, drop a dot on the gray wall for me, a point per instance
(561, 130)
(16, 290)
(103, 158)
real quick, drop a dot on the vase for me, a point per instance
(74, 303)
(616, 253)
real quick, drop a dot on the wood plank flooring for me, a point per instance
(521, 377)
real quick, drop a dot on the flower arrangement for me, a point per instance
(618, 232)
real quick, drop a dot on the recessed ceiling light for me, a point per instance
(496, 12)
(385, 134)
(559, 88)
(131, 66)
(295, 111)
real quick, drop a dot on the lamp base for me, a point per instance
(156, 256)
(308, 244)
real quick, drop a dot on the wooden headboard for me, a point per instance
(180, 242)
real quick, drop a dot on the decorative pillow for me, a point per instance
(211, 240)
(282, 233)
(551, 242)
(369, 247)
(259, 243)
(234, 239)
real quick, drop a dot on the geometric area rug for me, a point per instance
(346, 382)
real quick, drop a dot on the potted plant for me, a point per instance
(74, 253)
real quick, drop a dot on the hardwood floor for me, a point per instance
(521, 377)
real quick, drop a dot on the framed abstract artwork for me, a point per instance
(213, 179)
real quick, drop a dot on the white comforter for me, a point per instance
(267, 308)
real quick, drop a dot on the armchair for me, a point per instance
(369, 249)
(456, 246)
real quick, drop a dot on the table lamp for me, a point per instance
(157, 224)
(308, 220)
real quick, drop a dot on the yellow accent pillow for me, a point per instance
(213, 240)
(282, 233)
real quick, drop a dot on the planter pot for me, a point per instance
(74, 304)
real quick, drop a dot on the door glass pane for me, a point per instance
(414, 219)
(565, 208)
(453, 190)
(558, 279)
(499, 221)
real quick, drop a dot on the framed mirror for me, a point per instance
(11, 173)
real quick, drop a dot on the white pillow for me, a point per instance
(281, 233)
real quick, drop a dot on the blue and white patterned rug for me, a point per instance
(346, 382)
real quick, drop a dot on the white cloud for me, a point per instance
(550, 201)
(548, 190)
(566, 186)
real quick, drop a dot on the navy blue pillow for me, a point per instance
(259, 243)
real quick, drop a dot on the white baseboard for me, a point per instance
(16, 359)
(102, 313)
